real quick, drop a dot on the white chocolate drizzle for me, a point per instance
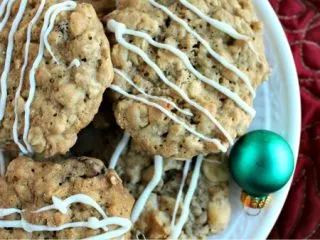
(119, 150)
(140, 203)
(7, 6)
(92, 223)
(170, 115)
(70, 5)
(213, 53)
(119, 30)
(3, 6)
(7, 63)
(9, 211)
(123, 222)
(223, 27)
(22, 73)
(254, 51)
(179, 196)
(184, 58)
(53, 9)
(75, 63)
(2, 163)
(176, 230)
(140, 90)
(62, 206)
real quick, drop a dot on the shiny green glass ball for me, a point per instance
(261, 162)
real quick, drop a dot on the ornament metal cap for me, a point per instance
(254, 202)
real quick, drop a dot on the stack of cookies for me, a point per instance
(116, 117)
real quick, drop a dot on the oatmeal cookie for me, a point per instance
(185, 84)
(31, 185)
(210, 207)
(68, 80)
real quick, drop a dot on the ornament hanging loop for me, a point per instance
(252, 212)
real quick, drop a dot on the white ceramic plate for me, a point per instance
(279, 110)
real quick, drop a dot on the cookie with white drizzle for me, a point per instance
(65, 194)
(55, 66)
(209, 208)
(210, 69)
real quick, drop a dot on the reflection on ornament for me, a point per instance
(261, 162)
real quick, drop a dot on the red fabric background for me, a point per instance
(300, 217)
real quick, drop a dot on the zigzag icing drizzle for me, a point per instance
(62, 206)
(254, 51)
(179, 196)
(141, 202)
(67, 5)
(7, 64)
(214, 54)
(223, 27)
(176, 230)
(2, 163)
(170, 115)
(162, 99)
(119, 29)
(5, 5)
(119, 150)
(189, 66)
(22, 73)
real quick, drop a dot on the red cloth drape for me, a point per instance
(300, 217)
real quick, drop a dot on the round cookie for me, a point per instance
(31, 185)
(210, 207)
(183, 86)
(67, 66)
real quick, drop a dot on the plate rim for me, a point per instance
(270, 18)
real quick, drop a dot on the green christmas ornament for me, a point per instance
(261, 162)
